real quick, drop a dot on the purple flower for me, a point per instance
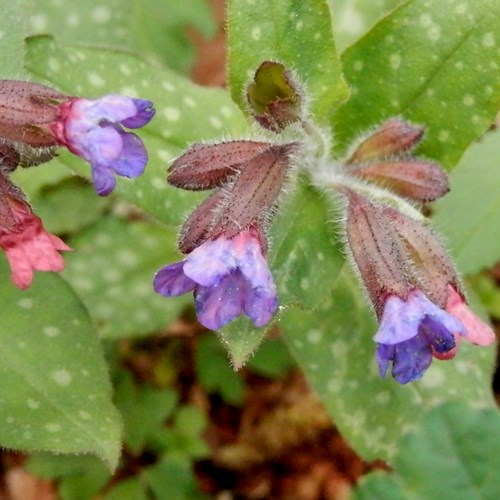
(229, 276)
(92, 129)
(410, 332)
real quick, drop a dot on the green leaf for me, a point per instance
(13, 29)
(80, 477)
(214, 373)
(151, 27)
(171, 478)
(272, 359)
(241, 339)
(434, 63)
(112, 270)
(144, 411)
(334, 348)
(297, 33)
(185, 113)
(455, 454)
(354, 18)
(304, 260)
(55, 393)
(129, 489)
(468, 215)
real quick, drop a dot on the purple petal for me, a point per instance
(253, 264)
(219, 304)
(210, 262)
(411, 359)
(259, 307)
(170, 281)
(144, 114)
(103, 179)
(437, 335)
(401, 319)
(133, 158)
(383, 355)
(101, 145)
(112, 108)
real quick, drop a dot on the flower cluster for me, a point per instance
(35, 121)
(408, 275)
(224, 238)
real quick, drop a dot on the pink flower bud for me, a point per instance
(392, 138)
(411, 178)
(27, 110)
(206, 166)
(377, 252)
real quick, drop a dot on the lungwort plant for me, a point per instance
(305, 192)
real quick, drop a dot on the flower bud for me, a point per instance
(432, 268)
(255, 189)
(392, 138)
(274, 97)
(376, 251)
(411, 178)
(206, 166)
(27, 109)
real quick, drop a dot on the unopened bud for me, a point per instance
(8, 191)
(206, 166)
(418, 180)
(432, 267)
(196, 229)
(26, 111)
(274, 97)
(377, 253)
(392, 138)
(256, 189)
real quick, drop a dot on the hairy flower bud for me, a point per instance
(26, 111)
(274, 97)
(411, 178)
(206, 166)
(384, 158)
(376, 251)
(392, 138)
(246, 198)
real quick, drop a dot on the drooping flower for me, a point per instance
(28, 246)
(229, 277)
(92, 129)
(414, 289)
(411, 331)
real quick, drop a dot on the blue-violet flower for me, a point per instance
(92, 129)
(229, 276)
(410, 332)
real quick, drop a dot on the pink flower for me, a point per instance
(29, 247)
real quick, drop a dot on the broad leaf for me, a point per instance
(354, 18)
(112, 270)
(155, 27)
(185, 113)
(333, 346)
(469, 214)
(55, 392)
(435, 63)
(455, 454)
(297, 33)
(13, 29)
